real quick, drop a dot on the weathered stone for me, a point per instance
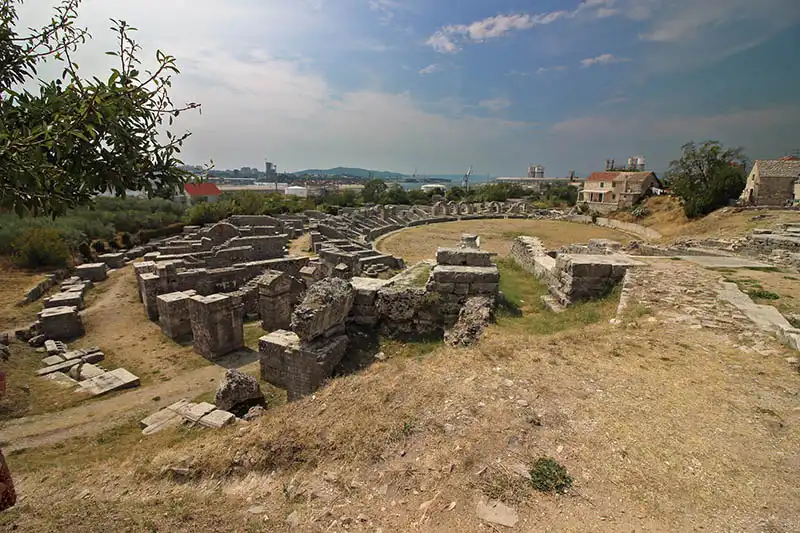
(69, 298)
(160, 420)
(173, 315)
(92, 271)
(37, 341)
(113, 260)
(109, 381)
(237, 388)
(193, 412)
(326, 305)
(54, 347)
(61, 323)
(217, 418)
(83, 371)
(497, 512)
(52, 360)
(472, 320)
(300, 368)
(465, 274)
(275, 300)
(254, 412)
(5, 339)
(61, 379)
(463, 257)
(217, 324)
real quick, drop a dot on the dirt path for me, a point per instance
(116, 322)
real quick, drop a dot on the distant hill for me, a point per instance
(353, 172)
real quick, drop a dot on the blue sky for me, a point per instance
(441, 85)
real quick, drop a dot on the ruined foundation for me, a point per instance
(217, 324)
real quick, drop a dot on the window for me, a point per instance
(602, 184)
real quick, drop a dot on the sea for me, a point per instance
(451, 180)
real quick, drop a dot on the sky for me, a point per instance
(440, 85)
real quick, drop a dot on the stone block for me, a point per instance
(193, 412)
(327, 304)
(173, 315)
(465, 274)
(52, 360)
(484, 288)
(463, 257)
(54, 347)
(109, 381)
(61, 323)
(217, 419)
(61, 299)
(113, 260)
(300, 368)
(217, 324)
(61, 379)
(92, 271)
(160, 420)
(85, 371)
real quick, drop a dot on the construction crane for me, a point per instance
(465, 182)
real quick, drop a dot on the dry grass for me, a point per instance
(28, 394)
(785, 286)
(301, 245)
(497, 235)
(16, 283)
(667, 218)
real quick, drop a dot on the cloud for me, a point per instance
(387, 9)
(555, 68)
(445, 39)
(495, 104)
(431, 69)
(602, 59)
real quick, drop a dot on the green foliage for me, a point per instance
(707, 177)
(373, 191)
(455, 194)
(99, 247)
(760, 294)
(548, 475)
(146, 235)
(72, 138)
(86, 251)
(125, 240)
(640, 211)
(41, 247)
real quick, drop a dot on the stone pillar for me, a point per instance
(173, 315)
(275, 300)
(149, 292)
(217, 324)
(472, 242)
(144, 267)
(61, 323)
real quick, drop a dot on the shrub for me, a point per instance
(41, 247)
(86, 251)
(547, 475)
(125, 240)
(99, 247)
(144, 236)
(640, 211)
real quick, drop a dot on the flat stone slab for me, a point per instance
(66, 364)
(52, 360)
(217, 419)
(709, 261)
(595, 259)
(54, 347)
(62, 379)
(109, 381)
(765, 317)
(193, 412)
(166, 417)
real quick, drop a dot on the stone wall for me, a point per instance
(174, 316)
(459, 274)
(217, 324)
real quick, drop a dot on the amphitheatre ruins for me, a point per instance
(308, 306)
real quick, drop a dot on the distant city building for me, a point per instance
(434, 187)
(773, 182)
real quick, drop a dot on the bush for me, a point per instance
(640, 211)
(41, 247)
(86, 251)
(144, 236)
(125, 240)
(547, 475)
(99, 247)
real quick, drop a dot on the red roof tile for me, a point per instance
(202, 189)
(602, 176)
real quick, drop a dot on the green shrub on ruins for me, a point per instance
(86, 251)
(99, 247)
(548, 475)
(41, 247)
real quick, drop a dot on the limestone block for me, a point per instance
(173, 315)
(465, 274)
(109, 381)
(193, 412)
(92, 271)
(327, 304)
(217, 324)
(61, 323)
(237, 388)
(54, 347)
(52, 360)
(61, 379)
(72, 299)
(149, 287)
(400, 304)
(113, 260)
(463, 257)
(160, 420)
(217, 419)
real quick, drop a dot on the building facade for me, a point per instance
(774, 182)
(610, 191)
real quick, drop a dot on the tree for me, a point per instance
(707, 177)
(77, 137)
(373, 190)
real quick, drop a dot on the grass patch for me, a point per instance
(525, 311)
(790, 278)
(765, 269)
(253, 332)
(760, 294)
(548, 475)
(421, 275)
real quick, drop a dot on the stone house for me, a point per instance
(610, 191)
(773, 182)
(208, 191)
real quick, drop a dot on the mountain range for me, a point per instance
(353, 172)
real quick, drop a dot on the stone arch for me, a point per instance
(222, 232)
